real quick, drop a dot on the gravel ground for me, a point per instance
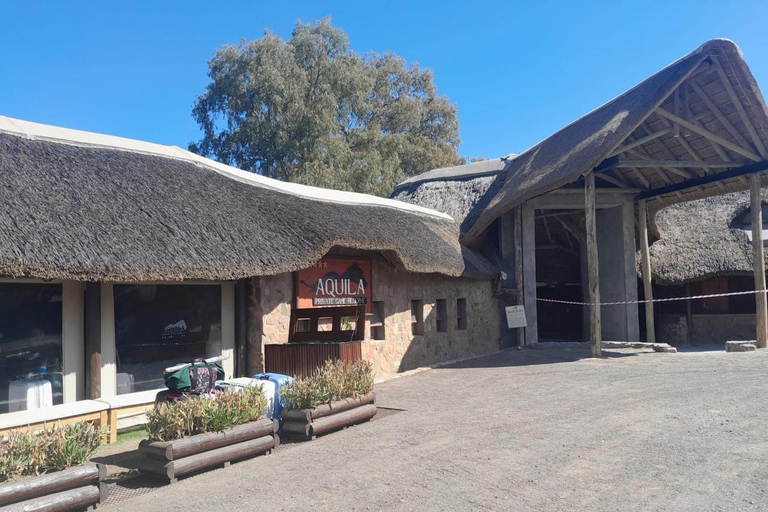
(525, 430)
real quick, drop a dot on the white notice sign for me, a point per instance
(515, 316)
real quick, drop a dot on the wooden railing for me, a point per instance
(302, 359)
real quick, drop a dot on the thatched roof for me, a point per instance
(702, 239)
(462, 192)
(76, 205)
(636, 140)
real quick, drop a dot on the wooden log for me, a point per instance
(180, 448)
(297, 416)
(592, 263)
(64, 501)
(232, 453)
(341, 405)
(342, 419)
(174, 469)
(758, 257)
(49, 483)
(645, 253)
(296, 429)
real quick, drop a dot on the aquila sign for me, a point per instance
(335, 282)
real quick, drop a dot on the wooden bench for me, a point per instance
(122, 405)
(64, 414)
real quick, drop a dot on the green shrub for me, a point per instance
(51, 449)
(333, 381)
(170, 421)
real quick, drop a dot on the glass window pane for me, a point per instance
(157, 326)
(30, 346)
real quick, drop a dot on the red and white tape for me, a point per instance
(671, 299)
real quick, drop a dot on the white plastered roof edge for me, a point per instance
(82, 138)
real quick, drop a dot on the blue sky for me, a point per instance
(517, 71)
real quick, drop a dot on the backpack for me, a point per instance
(197, 377)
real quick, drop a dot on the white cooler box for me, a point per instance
(267, 387)
(27, 394)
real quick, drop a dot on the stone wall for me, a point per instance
(272, 297)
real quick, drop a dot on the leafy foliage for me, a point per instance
(52, 449)
(312, 111)
(333, 381)
(170, 421)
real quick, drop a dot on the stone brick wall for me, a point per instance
(270, 299)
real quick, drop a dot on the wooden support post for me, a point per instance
(593, 266)
(241, 328)
(528, 217)
(518, 235)
(688, 315)
(645, 253)
(759, 260)
(93, 340)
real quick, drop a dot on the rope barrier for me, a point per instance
(644, 301)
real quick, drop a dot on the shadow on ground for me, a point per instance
(539, 356)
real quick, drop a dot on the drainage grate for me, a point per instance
(131, 487)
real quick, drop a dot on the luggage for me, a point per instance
(279, 381)
(197, 377)
(268, 387)
(27, 394)
(125, 383)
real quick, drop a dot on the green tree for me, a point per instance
(310, 110)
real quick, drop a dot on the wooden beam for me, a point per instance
(678, 111)
(719, 114)
(574, 229)
(740, 108)
(672, 164)
(557, 214)
(593, 265)
(546, 229)
(645, 253)
(613, 181)
(708, 135)
(640, 141)
(758, 257)
(641, 177)
(704, 180)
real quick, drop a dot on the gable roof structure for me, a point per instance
(682, 134)
(85, 206)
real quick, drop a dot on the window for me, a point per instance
(417, 317)
(303, 325)
(442, 315)
(377, 320)
(461, 314)
(31, 372)
(746, 222)
(157, 326)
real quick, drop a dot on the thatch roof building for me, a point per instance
(633, 140)
(703, 239)
(462, 192)
(83, 206)
(698, 128)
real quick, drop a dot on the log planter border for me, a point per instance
(74, 488)
(170, 460)
(307, 424)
